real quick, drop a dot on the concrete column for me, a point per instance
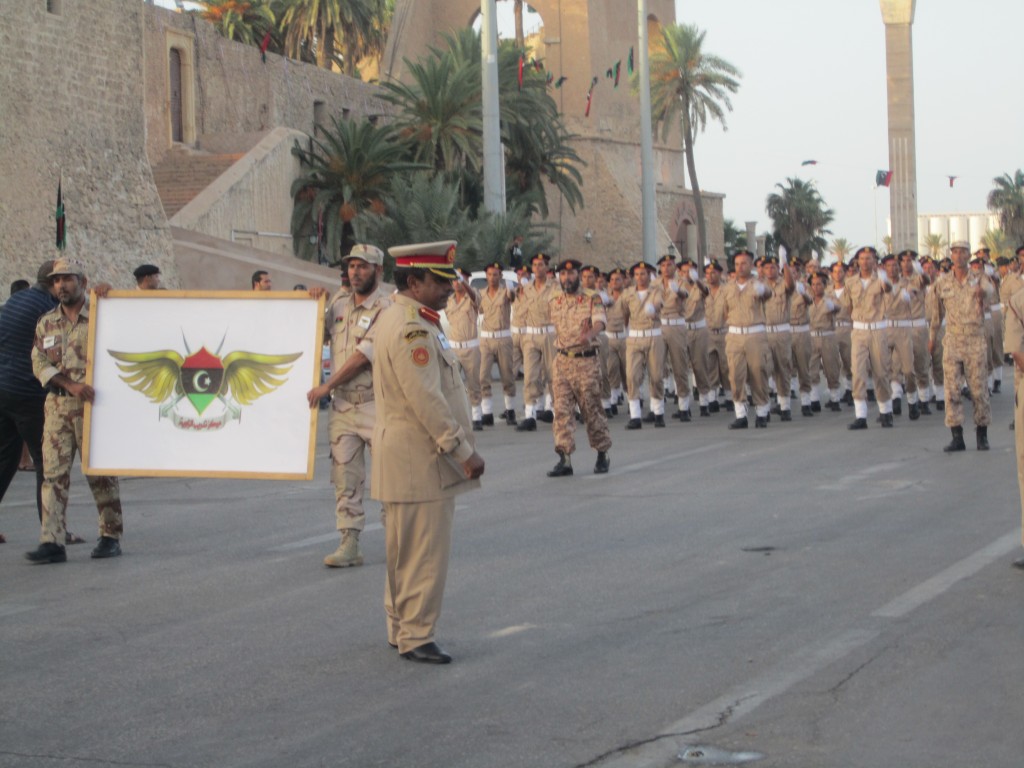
(898, 16)
(752, 236)
(760, 246)
(691, 242)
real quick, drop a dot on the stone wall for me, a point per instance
(71, 101)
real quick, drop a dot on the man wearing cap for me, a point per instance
(843, 324)
(423, 454)
(982, 262)
(590, 278)
(962, 295)
(147, 277)
(778, 330)
(899, 349)
(496, 303)
(645, 347)
(864, 298)
(351, 313)
(800, 340)
(914, 280)
(615, 332)
(576, 376)
(673, 333)
(462, 310)
(518, 321)
(824, 350)
(936, 330)
(59, 361)
(537, 344)
(717, 361)
(742, 305)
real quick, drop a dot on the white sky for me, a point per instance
(814, 88)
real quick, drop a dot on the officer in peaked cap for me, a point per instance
(423, 448)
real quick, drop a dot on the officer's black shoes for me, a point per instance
(924, 409)
(940, 405)
(546, 416)
(478, 426)
(805, 410)
(914, 412)
(107, 547)
(608, 413)
(510, 417)
(430, 653)
(728, 405)
(601, 467)
(858, 424)
(47, 552)
(1019, 563)
(897, 406)
(684, 415)
(659, 420)
(761, 422)
(786, 415)
(776, 409)
(704, 411)
(615, 409)
(816, 406)
(563, 468)
(887, 420)
(487, 419)
(634, 424)
(713, 407)
(996, 386)
(527, 425)
(957, 443)
(740, 423)
(649, 418)
(835, 407)
(982, 435)
(847, 397)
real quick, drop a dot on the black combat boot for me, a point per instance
(914, 412)
(982, 435)
(527, 425)
(510, 417)
(601, 467)
(563, 468)
(740, 423)
(487, 419)
(897, 406)
(957, 443)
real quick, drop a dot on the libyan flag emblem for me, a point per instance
(237, 379)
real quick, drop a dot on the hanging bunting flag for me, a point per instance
(618, 69)
(520, 73)
(562, 79)
(882, 178)
(549, 78)
(809, 162)
(629, 63)
(610, 73)
(537, 65)
(263, 47)
(952, 179)
(590, 96)
(62, 235)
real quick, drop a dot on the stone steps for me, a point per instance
(184, 173)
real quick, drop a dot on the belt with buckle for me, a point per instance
(355, 396)
(572, 353)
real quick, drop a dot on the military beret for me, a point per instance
(145, 270)
(889, 257)
(665, 258)
(1002, 261)
(742, 252)
(590, 268)
(539, 255)
(494, 265)
(712, 264)
(566, 264)
(685, 260)
(908, 252)
(617, 271)
(644, 264)
(463, 271)
(866, 248)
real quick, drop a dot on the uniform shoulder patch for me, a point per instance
(417, 333)
(420, 356)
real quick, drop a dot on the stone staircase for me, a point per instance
(184, 173)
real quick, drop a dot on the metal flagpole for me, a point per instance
(646, 141)
(494, 165)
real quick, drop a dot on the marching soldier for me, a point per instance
(59, 360)
(962, 295)
(800, 340)
(615, 332)
(824, 349)
(993, 318)
(844, 324)
(778, 329)
(899, 350)
(423, 450)
(576, 376)
(936, 330)
(717, 362)
(864, 299)
(1013, 341)
(537, 343)
(518, 320)
(742, 304)
(915, 281)
(645, 347)
(589, 283)
(350, 316)
(496, 302)
(695, 332)
(462, 311)
(673, 334)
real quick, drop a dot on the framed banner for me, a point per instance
(203, 384)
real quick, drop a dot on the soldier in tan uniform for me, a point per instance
(899, 348)
(982, 262)
(350, 315)
(537, 341)
(742, 305)
(935, 321)
(423, 446)
(717, 361)
(1013, 341)
(824, 349)
(864, 299)
(673, 334)
(779, 330)
(496, 302)
(800, 341)
(645, 347)
(844, 325)
(576, 377)
(615, 332)
(590, 279)
(962, 295)
(695, 332)
(462, 311)
(59, 361)
(915, 282)
(518, 320)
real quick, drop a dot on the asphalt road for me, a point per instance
(817, 597)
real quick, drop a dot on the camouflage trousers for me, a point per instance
(970, 354)
(351, 431)
(62, 438)
(577, 381)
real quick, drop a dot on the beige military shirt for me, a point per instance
(61, 346)
(635, 307)
(496, 309)
(671, 302)
(821, 314)
(741, 306)
(462, 314)
(864, 299)
(347, 323)
(1009, 285)
(616, 322)
(777, 306)
(694, 306)
(1013, 339)
(536, 298)
(798, 306)
(714, 309)
(571, 314)
(836, 294)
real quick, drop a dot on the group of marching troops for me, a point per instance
(752, 336)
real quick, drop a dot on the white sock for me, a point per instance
(860, 409)
(636, 411)
(740, 409)
(487, 406)
(657, 407)
(509, 403)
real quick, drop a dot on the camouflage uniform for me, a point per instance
(966, 344)
(61, 347)
(576, 378)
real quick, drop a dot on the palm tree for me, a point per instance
(690, 86)
(349, 170)
(245, 21)
(998, 243)
(841, 248)
(935, 245)
(320, 28)
(1007, 199)
(800, 216)
(733, 237)
(517, 13)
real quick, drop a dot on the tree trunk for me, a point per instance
(517, 10)
(325, 46)
(698, 201)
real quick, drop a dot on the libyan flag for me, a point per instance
(882, 178)
(62, 237)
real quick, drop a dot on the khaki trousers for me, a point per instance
(647, 352)
(900, 346)
(718, 363)
(469, 359)
(497, 351)
(938, 376)
(843, 342)
(350, 430)
(677, 356)
(615, 364)
(697, 342)
(1018, 438)
(868, 359)
(417, 542)
(969, 355)
(825, 357)
(780, 350)
(800, 342)
(537, 352)
(746, 354)
(919, 337)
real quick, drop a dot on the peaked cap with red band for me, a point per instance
(438, 257)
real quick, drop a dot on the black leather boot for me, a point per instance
(982, 435)
(957, 443)
(563, 468)
(601, 467)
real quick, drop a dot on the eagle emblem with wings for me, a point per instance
(215, 387)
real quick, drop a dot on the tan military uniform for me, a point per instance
(824, 348)
(1013, 341)
(966, 346)
(421, 437)
(353, 411)
(698, 338)
(844, 325)
(673, 334)
(899, 337)
(496, 345)
(518, 321)
(717, 361)
(537, 342)
(800, 342)
(576, 379)
(61, 347)
(937, 329)
(779, 337)
(746, 344)
(645, 347)
(462, 335)
(864, 299)
(615, 332)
